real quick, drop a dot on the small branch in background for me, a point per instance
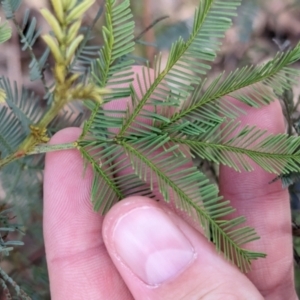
(296, 258)
(5, 291)
(149, 34)
(148, 31)
(150, 26)
(296, 229)
(288, 113)
(16, 287)
(296, 233)
(288, 95)
(296, 105)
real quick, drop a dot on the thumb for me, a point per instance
(159, 256)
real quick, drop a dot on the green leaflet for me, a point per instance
(274, 153)
(23, 103)
(11, 134)
(5, 33)
(10, 7)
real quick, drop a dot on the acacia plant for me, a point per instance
(173, 108)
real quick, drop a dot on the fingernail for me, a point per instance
(151, 245)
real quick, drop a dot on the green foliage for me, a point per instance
(197, 124)
(28, 39)
(5, 33)
(10, 7)
(203, 122)
(174, 112)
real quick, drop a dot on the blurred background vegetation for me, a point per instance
(259, 31)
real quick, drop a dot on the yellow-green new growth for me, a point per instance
(65, 24)
(5, 32)
(53, 22)
(48, 39)
(59, 11)
(72, 48)
(73, 31)
(68, 4)
(79, 10)
(2, 96)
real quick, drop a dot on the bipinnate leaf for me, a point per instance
(188, 60)
(171, 113)
(253, 85)
(229, 145)
(145, 147)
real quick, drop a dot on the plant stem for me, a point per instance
(17, 288)
(31, 141)
(50, 148)
(12, 157)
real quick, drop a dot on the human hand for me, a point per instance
(142, 249)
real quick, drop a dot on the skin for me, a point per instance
(82, 246)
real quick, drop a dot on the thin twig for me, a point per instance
(296, 258)
(296, 233)
(44, 148)
(149, 34)
(296, 229)
(5, 290)
(288, 116)
(149, 27)
(17, 288)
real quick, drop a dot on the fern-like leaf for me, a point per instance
(251, 85)
(28, 39)
(10, 7)
(21, 103)
(32, 33)
(11, 132)
(110, 183)
(37, 66)
(191, 192)
(118, 43)
(118, 37)
(122, 148)
(187, 61)
(146, 169)
(274, 153)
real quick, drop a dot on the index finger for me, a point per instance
(267, 209)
